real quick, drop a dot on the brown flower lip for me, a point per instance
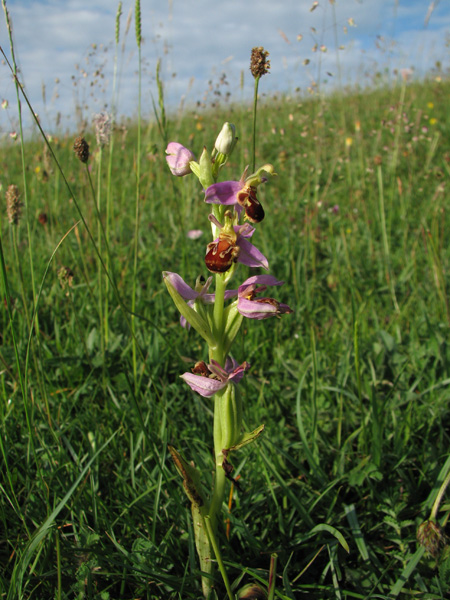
(247, 198)
(221, 255)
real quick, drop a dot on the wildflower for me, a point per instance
(259, 308)
(206, 380)
(242, 193)
(5, 104)
(13, 204)
(433, 121)
(259, 65)
(194, 234)
(81, 149)
(406, 74)
(178, 158)
(102, 123)
(232, 246)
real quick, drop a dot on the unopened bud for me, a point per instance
(226, 140)
(252, 591)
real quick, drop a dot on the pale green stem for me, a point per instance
(214, 544)
(439, 497)
(385, 238)
(136, 225)
(218, 318)
(255, 105)
(99, 244)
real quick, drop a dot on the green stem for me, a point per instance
(136, 224)
(99, 264)
(438, 500)
(255, 104)
(214, 544)
(218, 353)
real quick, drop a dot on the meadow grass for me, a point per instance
(352, 387)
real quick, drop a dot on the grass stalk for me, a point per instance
(138, 192)
(254, 114)
(386, 251)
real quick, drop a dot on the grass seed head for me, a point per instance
(13, 204)
(81, 149)
(259, 64)
(430, 536)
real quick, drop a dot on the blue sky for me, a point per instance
(199, 40)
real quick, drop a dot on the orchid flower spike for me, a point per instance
(242, 193)
(206, 380)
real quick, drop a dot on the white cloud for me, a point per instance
(194, 39)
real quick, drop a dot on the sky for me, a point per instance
(66, 51)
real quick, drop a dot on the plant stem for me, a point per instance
(439, 496)
(136, 223)
(255, 105)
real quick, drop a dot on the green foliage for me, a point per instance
(352, 388)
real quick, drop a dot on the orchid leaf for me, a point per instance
(247, 438)
(191, 316)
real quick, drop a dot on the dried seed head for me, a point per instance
(43, 218)
(430, 535)
(259, 64)
(81, 149)
(13, 204)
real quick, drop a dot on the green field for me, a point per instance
(352, 387)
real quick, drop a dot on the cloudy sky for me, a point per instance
(65, 49)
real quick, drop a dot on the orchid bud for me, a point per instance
(226, 140)
(178, 158)
(252, 591)
(205, 175)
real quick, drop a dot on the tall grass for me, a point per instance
(353, 389)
